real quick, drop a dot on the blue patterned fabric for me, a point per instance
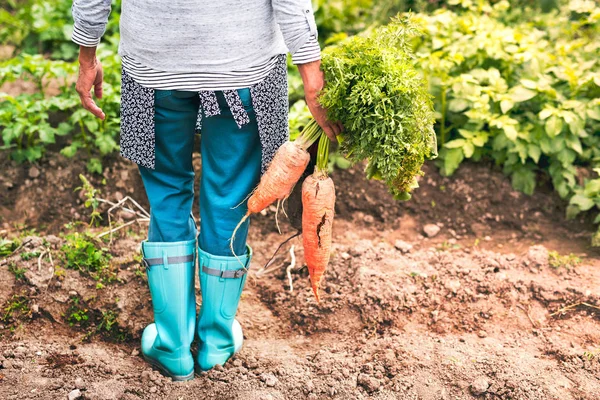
(269, 99)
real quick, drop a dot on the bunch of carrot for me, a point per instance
(375, 91)
(318, 196)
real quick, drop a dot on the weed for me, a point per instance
(77, 313)
(91, 194)
(18, 272)
(7, 247)
(82, 253)
(16, 308)
(567, 261)
(445, 245)
(29, 255)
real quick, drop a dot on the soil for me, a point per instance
(469, 290)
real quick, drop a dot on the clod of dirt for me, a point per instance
(431, 230)
(60, 360)
(537, 257)
(403, 246)
(269, 379)
(479, 386)
(369, 383)
(79, 383)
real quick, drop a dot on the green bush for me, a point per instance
(525, 95)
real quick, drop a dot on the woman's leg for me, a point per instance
(170, 251)
(231, 159)
(170, 186)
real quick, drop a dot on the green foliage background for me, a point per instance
(516, 82)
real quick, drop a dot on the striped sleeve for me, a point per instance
(89, 21)
(81, 38)
(309, 52)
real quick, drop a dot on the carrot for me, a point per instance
(277, 183)
(283, 173)
(318, 209)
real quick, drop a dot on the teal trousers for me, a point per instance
(231, 161)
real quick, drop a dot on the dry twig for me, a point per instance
(572, 306)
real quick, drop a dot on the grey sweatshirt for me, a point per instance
(202, 35)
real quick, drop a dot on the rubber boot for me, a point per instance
(222, 280)
(166, 343)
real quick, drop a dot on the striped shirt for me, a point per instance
(197, 81)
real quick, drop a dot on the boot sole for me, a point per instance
(161, 369)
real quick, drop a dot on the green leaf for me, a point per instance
(572, 211)
(520, 94)
(534, 152)
(584, 203)
(545, 113)
(458, 105)
(468, 149)
(455, 144)
(452, 159)
(523, 179)
(506, 106)
(594, 113)
(94, 165)
(510, 132)
(554, 126)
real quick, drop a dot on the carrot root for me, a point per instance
(318, 202)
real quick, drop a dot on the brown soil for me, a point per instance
(476, 311)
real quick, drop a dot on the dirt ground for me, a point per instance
(466, 291)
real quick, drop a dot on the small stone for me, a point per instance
(118, 196)
(135, 353)
(35, 309)
(431, 230)
(368, 219)
(74, 394)
(346, 372)
(237, 363)
(153, 389)
(34, 172)
(269, 379)
(403, 246)
(482, 334)
(479, 386)
(79, 384)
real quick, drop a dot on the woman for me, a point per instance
(219, 67)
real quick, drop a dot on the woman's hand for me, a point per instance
(314, 80)
(90, 75)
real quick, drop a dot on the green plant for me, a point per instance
(526, 95)
(7, 247)
(91, 196)
(28, 255)
(374, 89)
(567, 261)
(18, 272)
(81, 252)
(77, 313)
(16, 308)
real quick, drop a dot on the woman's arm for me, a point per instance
(297, 23)
(90, 18)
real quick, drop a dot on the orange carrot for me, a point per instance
(277, 182)
(318, 204)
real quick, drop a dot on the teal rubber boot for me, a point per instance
(222, 280)
(166, 343)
